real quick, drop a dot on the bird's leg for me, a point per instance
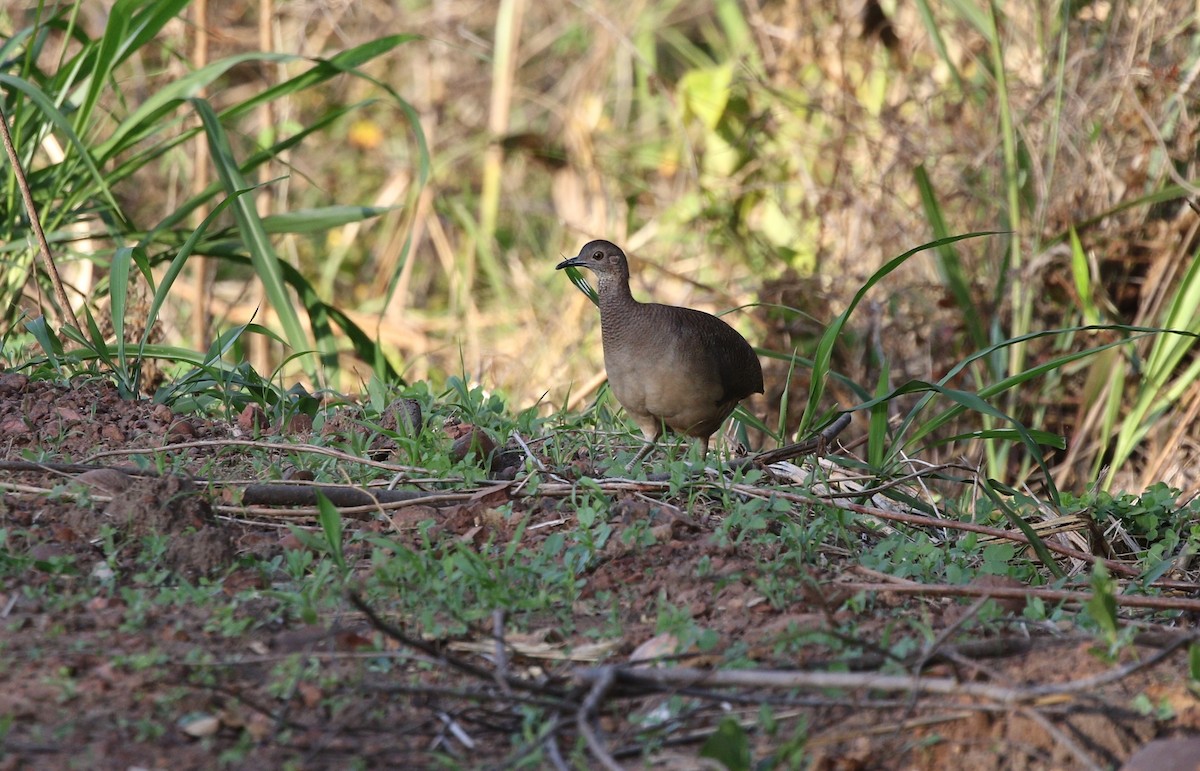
(642, 453)
(652, 430)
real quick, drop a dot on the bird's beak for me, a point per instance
(574, 262)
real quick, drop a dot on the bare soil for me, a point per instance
(92, 677)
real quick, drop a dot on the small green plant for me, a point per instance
(330, 520)
(1102, 607)
(729, 746)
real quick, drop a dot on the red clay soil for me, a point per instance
(93, 676)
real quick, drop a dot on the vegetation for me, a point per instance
(967, 224)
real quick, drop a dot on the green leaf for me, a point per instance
(990, 487)
(1102, 607)
(948, 264)
(49, 341)
(704, 93)
(729, 746)
(262, 254)
(330, 520)
(581, 283)
(320, 219)
(877, 430)
(1082, 274)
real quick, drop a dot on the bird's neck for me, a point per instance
(614, 294)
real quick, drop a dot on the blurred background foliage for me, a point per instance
(391, 185)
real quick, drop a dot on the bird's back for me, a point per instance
(683, 367)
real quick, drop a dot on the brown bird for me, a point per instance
(671, 368)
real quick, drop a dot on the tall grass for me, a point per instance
(84, 145)
(734, 150)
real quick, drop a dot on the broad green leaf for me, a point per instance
(704, 93)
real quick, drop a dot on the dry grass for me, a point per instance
(597, 143)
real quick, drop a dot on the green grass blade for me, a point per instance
(79, 154)
(301, 221)
(582, 285)
(877, 432)
(824, 352)
(183, 211)
(330, 520)
(1039, 546)
(1165, 356)
(934, 30)
(965, 400)
(49, 342)
(1082, 274)
(174, 268)
(103, 58)
(949, 266)
(150, 116)
(262, 254)
(118, 291)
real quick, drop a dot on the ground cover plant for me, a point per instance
(308, 459)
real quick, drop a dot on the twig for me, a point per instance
(456, 730)
(1060, 736)
(642, 679)
(838, 736)
(1034, 714)
(516, 437)
(342, 497)
(553, 752)
(600, 685)
(313, 449)
(789, 451)
(371, 500)
(31, 209)
(1113, 675)
(487, 694)
(501, 651)
(75, 468)
(544, 738)
(444, 658)
(1016, 593)
(934, 646)
(937, 523)
(893, 483)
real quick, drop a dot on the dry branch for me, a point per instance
(1019, 593)
(35, 223)
(640, 680)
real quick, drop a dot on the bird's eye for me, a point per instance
(598, 255)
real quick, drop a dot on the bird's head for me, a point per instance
(603, 258)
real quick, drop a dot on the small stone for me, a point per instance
(68, 414)
(106, 480)
(404, 417)
(199, 726)
(1009, 604)
(112, 434)
(300, 423)
(1178, 754)
(252, 419)
(13, 382)
(181, 431)
(472, 440)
